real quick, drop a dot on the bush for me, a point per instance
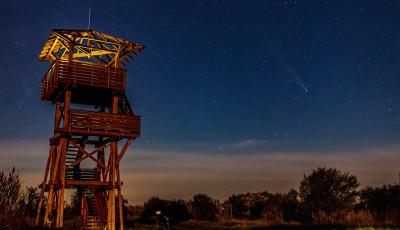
(203, 207)
(12, 200)
(328, 193)
(175, 210)
(383, 201)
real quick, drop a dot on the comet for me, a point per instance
(288, 67)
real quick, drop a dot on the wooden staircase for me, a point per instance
(123, 105)
(76, 173)
(93, 216)
(72, 155)
(94, 219)
(48, 89)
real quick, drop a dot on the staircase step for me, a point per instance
(92, 220)
(72, 150)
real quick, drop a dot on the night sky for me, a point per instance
(235, 96)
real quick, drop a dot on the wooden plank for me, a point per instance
(104, 133)
(78, 182)
(89, 75)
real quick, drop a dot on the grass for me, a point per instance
(229, 225)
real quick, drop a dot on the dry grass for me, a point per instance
(255, 225)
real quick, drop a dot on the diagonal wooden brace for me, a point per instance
(90, 155)
(123, 151)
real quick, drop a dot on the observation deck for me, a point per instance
(92, 79)
(102, 124)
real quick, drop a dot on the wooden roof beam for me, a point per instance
(96, 53)
(98, 45)
(51, 49)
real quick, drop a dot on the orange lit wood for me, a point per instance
(84, 121)
(85, 74)
(100, 48)
(86, 70)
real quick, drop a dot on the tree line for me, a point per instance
(325, 196)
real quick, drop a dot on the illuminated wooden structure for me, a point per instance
(86, 71)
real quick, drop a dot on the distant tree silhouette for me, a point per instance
(238, 204)
(290, 206)
(152, 205)
(257, 205)
(203, 207)
(382, 201)
(175, 210)
(326, 191)
(273, 207)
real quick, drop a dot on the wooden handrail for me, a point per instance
(86, 121)
(82, 74)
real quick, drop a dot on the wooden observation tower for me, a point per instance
(86, 73)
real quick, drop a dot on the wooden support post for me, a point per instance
(52, 151)
(51, 155)
(61, 180)
(58, 117)
(84, 207)
(110, 192)
(81, 197)
(112, 161)
(100, 170)
(101, 158)
(58, 192)
(121, 217)
(112, 181)
(63, 147)
(100, 154)
(48, 213)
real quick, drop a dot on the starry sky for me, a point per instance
(235, 96)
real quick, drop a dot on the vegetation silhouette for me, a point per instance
(326, 199)
(175, 210)
(327, 193)
(203, 207)
(384, 201)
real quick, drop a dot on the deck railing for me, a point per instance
(82, 74)
(101, 123)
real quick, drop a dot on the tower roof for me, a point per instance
(88, 46)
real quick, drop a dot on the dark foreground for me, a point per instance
(198, 225)
(195, 225)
